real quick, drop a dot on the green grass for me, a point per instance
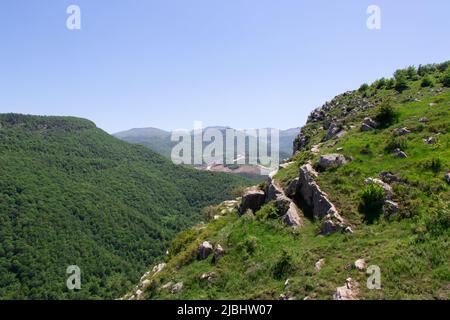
(410, 247)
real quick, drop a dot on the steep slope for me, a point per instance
(379, 159)
(70, 194)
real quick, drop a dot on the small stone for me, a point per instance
(423, 120)
(360, 264)
(319, 264)
(390, 207)
(177, 287)
(447, 177)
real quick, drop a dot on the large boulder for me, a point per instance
(331, 160)
(218, 253)
(348, 292)
(368, 124)
(292, 217)
(253, 199)
(204, 250)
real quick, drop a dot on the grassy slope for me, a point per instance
(72, 194)
(412, 254)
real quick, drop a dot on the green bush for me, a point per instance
(434, 165)
(268, 211)
(371, 202)
(437, 220)
(283, 265)
(446, 79)
(397, 143)
(427, 82)
(386, 116)
(364, 87)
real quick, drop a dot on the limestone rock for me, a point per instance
(348, 292)
(424, 120)
(390, 207)
(331, 160)
(218, 253)
(292, 217)
(400, 154)
(177, 287)
(292, 188)
(158, 268)
(204, 250)
(360, 264)
(319, 264)
(402, 131)
(253, 199)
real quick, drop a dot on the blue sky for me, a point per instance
(242, 63)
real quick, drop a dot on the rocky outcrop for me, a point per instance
(347, 292)
(218, 253)
(368, 124)
(286, 208)
(317, 200)
(177, 287)
(331, 160)
(253, 199)
(360, 264)
(204, 250)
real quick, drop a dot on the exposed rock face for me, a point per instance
(318, 201)
(300, 142)
(368, 124)
(177, 287)
(292, 188)
(360, 264)
(400, 154)
(253, 199)
(319, 264)
(430, 140)
(286, 208)
(331, 160)
(390, 207)
(389, 177)
(204, 250)
(218, 253)
(348, 292)
(402, 131)
(158, 268)
(292, 217)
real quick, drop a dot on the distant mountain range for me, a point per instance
(160, 141)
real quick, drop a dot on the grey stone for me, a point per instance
(331, 160)
(204, 250)
(253, 199)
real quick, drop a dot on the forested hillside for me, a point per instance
(70, 194)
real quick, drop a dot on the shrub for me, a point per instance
(446, 79)
(283, 265)
(238, 191)
(401, 84)
(386, 116)
(397, 143)
(379, 84)
(390, 83)
(427, 82)
(209, 212)
(435, 165)
(437, 220)
(182, 241)
(250, 245)
(411, 73)
(371, 202)
(268, 211)
(364, 87)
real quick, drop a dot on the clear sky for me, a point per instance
(241, 63)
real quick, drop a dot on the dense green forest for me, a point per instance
(70, 194)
